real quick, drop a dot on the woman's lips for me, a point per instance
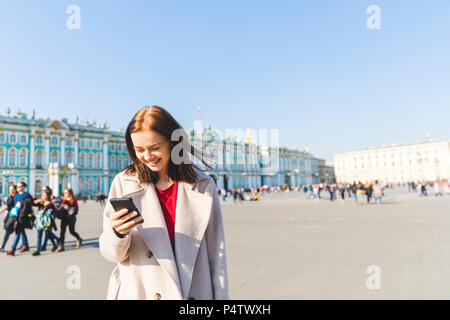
(154, 163)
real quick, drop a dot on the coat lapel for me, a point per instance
(193, 210)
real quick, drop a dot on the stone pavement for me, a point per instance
(282, 247)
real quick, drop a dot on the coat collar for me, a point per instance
(192, 213)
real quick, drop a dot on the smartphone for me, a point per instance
(125, 203)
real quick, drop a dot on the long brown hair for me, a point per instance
(157, 119)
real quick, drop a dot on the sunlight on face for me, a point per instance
(152, 149)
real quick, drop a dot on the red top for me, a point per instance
(168, 200)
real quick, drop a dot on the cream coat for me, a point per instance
(147, 267)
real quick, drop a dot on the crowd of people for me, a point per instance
(20, 216)
(359, 191)
(440, 187)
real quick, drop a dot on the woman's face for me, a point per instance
(66, 193)
(152, 149)
(12, 190)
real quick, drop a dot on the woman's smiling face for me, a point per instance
(152, 149)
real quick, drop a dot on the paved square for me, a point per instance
(282, 247)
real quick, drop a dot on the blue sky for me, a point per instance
(311, 69)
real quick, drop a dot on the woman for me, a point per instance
(161, 259)
(9, 221)
(69, 211)
(45, 221)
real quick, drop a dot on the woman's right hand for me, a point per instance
(120, 223)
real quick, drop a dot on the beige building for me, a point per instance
(418, 161)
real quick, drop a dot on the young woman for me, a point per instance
(9, 221)
(178, 252)
(45, 221)
(69, 211)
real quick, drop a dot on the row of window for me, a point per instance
(19, 158)
(14, 138)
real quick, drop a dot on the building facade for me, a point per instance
(420, 161)
(86, 157)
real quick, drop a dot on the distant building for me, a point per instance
(86, 157)
(418, 161)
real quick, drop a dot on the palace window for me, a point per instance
(82, 143)
(98, 144)
(2, 137)
(54, 156)
(1, 186)
(91, 144)
(113, 163)
(39, 140)
(39, 162)
(12, 158)
(12, 138)
(99, 160)
(69, 142)
(2, 157)
(69, 157)
(98, 184)
(90, 161)
(23, 158)
(113, 147)
(82, 160)
(23, 139)
(90, 186)
(54, 141)
(82, 184)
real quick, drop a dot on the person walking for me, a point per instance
(161, 259)
(9, 219)
(23, 203)
(377, 192)
(45, 221)
(68, 213)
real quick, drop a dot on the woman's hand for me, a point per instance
(120, 223)
(66, 207)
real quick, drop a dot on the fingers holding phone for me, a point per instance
(123, 222)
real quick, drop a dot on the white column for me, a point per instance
(63, 150)
(75, 181)
(75, 156)
(32, 151)
(105, 166)
(46, 149)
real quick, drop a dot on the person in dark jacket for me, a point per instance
(8, 223)
(24, 202)
(68, 212)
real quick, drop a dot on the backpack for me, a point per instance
(44, 219)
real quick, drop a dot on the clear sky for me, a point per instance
(311, 69)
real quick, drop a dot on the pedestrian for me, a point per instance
(377, 192)
(45, 221)
(423, 190)
(9, 219)
(68, 211)
(437, 189)
(23, 203)
(155, 261)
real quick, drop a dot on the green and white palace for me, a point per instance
(86, 157)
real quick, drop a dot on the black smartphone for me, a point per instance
(125, 203)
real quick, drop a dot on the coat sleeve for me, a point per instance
(215, 242)
(113, 248)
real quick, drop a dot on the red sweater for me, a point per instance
(168, 200)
